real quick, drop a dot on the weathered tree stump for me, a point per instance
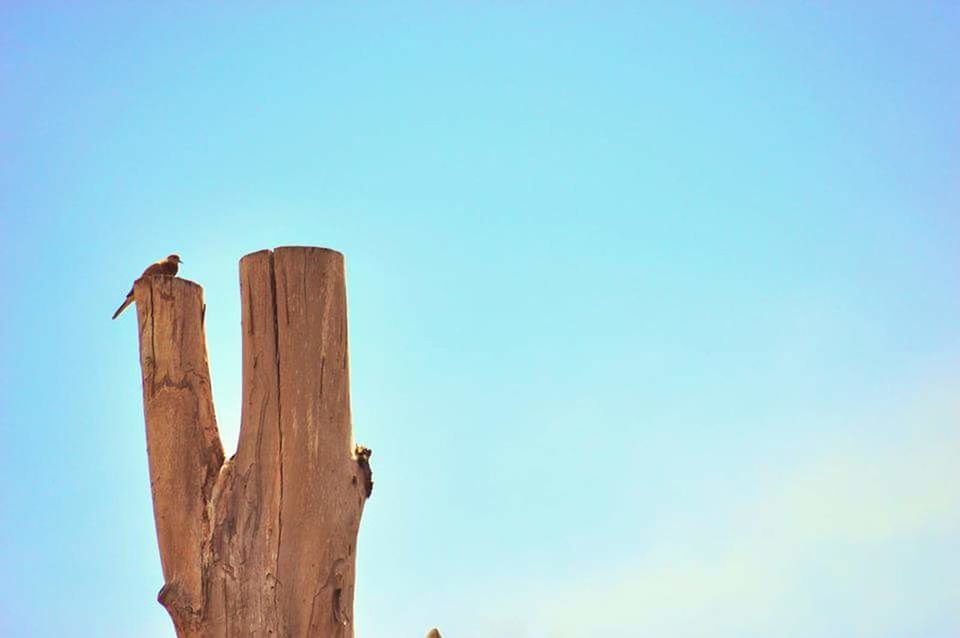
(263, 544)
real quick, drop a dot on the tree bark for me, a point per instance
(263, 544)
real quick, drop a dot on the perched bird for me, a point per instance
(167, 266)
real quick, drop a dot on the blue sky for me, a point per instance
(653, 306)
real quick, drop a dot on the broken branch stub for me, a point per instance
(263, 544)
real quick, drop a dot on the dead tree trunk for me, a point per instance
(263, 544)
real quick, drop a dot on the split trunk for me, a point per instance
(262, 544)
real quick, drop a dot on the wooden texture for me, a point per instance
(263, 544)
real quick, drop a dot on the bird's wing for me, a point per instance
(154, 269)
(162, 267)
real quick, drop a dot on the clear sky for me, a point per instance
(654, 307)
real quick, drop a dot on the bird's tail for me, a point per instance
(123, 306)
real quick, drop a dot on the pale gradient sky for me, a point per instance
(654, 307)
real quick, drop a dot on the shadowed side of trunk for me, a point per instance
(243, 587)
